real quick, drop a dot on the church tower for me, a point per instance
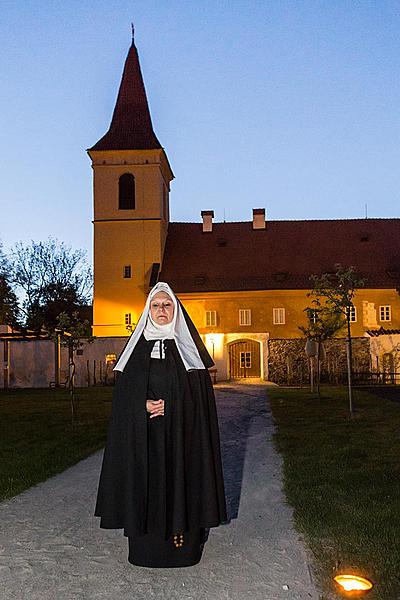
(132, 179)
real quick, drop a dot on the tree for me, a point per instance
(4, 264)
(69, 332)
(52, 278)
(9, 311)
(56, 299)
(323, 322)
(337, 291)
(76, 327)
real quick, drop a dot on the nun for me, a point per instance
(161, 479)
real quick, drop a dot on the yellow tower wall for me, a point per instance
(124, 237)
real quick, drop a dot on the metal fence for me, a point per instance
(376, 378)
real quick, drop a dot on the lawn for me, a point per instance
(38, 437)
(342, 478)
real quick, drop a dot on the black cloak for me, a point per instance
(194, 495)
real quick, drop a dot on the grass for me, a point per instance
(342, 478)
(38, 438)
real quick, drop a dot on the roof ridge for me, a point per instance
(293, 221)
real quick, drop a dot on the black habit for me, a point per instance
(186, 490)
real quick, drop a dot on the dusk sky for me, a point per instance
(292, 106)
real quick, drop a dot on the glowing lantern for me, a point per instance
(353, 583)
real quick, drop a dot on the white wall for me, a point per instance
(385, 344)
(32, 361)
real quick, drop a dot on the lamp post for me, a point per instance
(311, 349)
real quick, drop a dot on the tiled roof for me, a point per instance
(131, 127)
(282, 256)
(382, 331)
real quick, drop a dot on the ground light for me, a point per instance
(353, 583)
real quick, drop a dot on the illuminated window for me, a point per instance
(127, 271)
(128, 318)
(353, 314)
(278, 316)
(385, 313)
(211, 318)
(110, 358)
(245, 360)
(126, 192)
(245, 316)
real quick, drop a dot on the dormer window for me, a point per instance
(126, 192)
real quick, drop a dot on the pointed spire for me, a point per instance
(131, 127)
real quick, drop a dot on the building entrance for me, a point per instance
(244, 359)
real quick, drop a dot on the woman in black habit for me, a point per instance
(161, 478)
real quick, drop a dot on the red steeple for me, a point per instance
(131, 127)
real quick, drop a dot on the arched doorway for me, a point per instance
(244, 359)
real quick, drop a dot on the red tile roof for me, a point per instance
(131, 127)
(281, 256)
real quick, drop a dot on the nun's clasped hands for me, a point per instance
(155, 408)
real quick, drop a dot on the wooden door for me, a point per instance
(244, 359)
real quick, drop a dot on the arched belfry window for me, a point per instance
(126, 191)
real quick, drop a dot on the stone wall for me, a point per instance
(289, 365)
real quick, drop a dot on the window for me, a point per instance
(126, 191)
(127, 271)
(353, 314)
(312, 314)
(211, 318)
(278, 316)
(245, 316)
(128, 318)
(385, 313)
(245, 360)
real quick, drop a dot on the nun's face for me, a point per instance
(162, 308)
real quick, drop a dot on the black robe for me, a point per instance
(194, 495)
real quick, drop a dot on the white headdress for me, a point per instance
(177, 330)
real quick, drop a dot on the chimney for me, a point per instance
(207, 216)
(258, 218)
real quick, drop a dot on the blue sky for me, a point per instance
(292, 106)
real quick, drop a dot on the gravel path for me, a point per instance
(51, 547)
